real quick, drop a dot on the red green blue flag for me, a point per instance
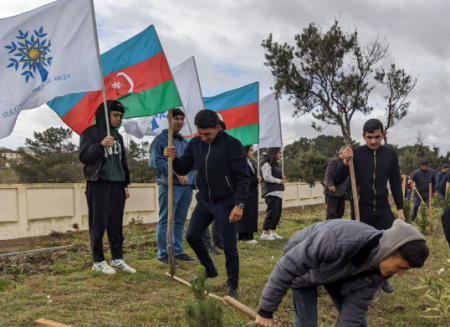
(238, 109)
(136, 73)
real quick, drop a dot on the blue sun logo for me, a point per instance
(31, 53)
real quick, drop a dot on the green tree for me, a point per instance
(54, 159)
(326, 74)
(398, 84)
(137, 155)
(202, 311)
(310, 166)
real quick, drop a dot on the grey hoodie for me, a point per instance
(336, 251)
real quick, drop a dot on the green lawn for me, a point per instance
(63, 288)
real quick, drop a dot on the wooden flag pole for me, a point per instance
(94, 23)
(354, 190)
(49, 323)
(172, 269)
(430, 200)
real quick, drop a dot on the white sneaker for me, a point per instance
(251, 242)
(119, 264)
(276, 236)
(104, 268)
(267, 237)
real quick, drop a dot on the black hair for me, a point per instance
(178, 112)
(222, 124)
(414, 252)
(271, 153)
(206, 119)
(247, 148)
(372, 125)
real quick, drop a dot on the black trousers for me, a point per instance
(245, 236)
(379, 219)
(217, 240)
(446, 223)
(273, 212)
(106, 203)
(204, 213)
(335, 206)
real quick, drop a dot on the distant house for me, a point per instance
(9, 154)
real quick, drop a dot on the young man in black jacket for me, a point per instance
(375, 165)
(223, 182)
(107, 175)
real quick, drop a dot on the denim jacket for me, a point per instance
(160, 164)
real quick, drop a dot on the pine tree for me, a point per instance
(203, 311)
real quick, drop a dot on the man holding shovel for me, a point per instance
(350, 259)
(375, 165)
(182, 190)
(223, 182)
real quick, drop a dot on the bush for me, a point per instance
(203, 311)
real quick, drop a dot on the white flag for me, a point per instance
(269, 122)
(139, 127)
(46, 53)
(188, 85)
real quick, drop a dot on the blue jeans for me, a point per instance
(416, 204)
(182, 197)
(305, 306)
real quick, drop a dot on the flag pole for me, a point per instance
(171, 257)
(174, 82)
(281, 137)
(97, 48)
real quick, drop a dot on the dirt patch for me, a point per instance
(36, 263)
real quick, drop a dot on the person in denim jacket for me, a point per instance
(182, 190)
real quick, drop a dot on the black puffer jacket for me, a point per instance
(92, 153)
(222, 167)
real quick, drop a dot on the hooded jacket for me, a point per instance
(92, 152)
(336, 251)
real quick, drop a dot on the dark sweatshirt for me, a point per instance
(222, 167)
(373, 169)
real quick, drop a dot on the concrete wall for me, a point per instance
(28, 210)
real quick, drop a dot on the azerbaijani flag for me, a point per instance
(238, 109)
(136, 73)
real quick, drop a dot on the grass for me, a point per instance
(68, 291)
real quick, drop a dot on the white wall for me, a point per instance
(29, 210)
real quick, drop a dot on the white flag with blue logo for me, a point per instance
(46, 53)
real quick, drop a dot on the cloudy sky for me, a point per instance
(225, 37)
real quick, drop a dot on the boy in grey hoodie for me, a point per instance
(352, 260)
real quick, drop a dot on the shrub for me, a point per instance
(203, 311)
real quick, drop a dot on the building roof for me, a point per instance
(5, 150)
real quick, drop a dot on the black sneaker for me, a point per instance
(212, 250)
(211, 275)
(387, 288)
(184, 257)
(165, 261)
(232, 292)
